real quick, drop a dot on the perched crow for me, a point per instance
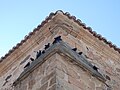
(38, 54)
(47, 46)
(74, 49)
(31, 59)
(43, 51)
(80, 53)
(28, 64)
(107, 77)
(8, 77)
(5, 83)
(57, 39)
(95, 68)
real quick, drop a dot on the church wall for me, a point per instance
(69, 75)
(41, 78)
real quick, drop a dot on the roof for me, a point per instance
(78, 21)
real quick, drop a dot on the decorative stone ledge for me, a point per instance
(61, 48)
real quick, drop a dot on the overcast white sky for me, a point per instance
(19, 17)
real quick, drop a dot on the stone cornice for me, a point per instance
(35, 39)
(59, 20)
(61, 48)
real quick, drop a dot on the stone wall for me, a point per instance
(59, 72)
(69, 76)
(41, 78)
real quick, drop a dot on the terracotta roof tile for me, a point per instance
(78, 21)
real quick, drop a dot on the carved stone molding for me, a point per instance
(61, 48)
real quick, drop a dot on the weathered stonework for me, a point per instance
(58, 71)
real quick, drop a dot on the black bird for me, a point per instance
(8, 77)
(74, 49)
(38, 54)
(31, 59)
(5, 83)
(43, 51)
(95, 68)
(47, 46)
(80, 53)
(28, 64)
(107, 77)
(57, 39)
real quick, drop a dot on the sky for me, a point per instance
(19, 17)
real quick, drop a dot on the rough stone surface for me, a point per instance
(59, 72)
